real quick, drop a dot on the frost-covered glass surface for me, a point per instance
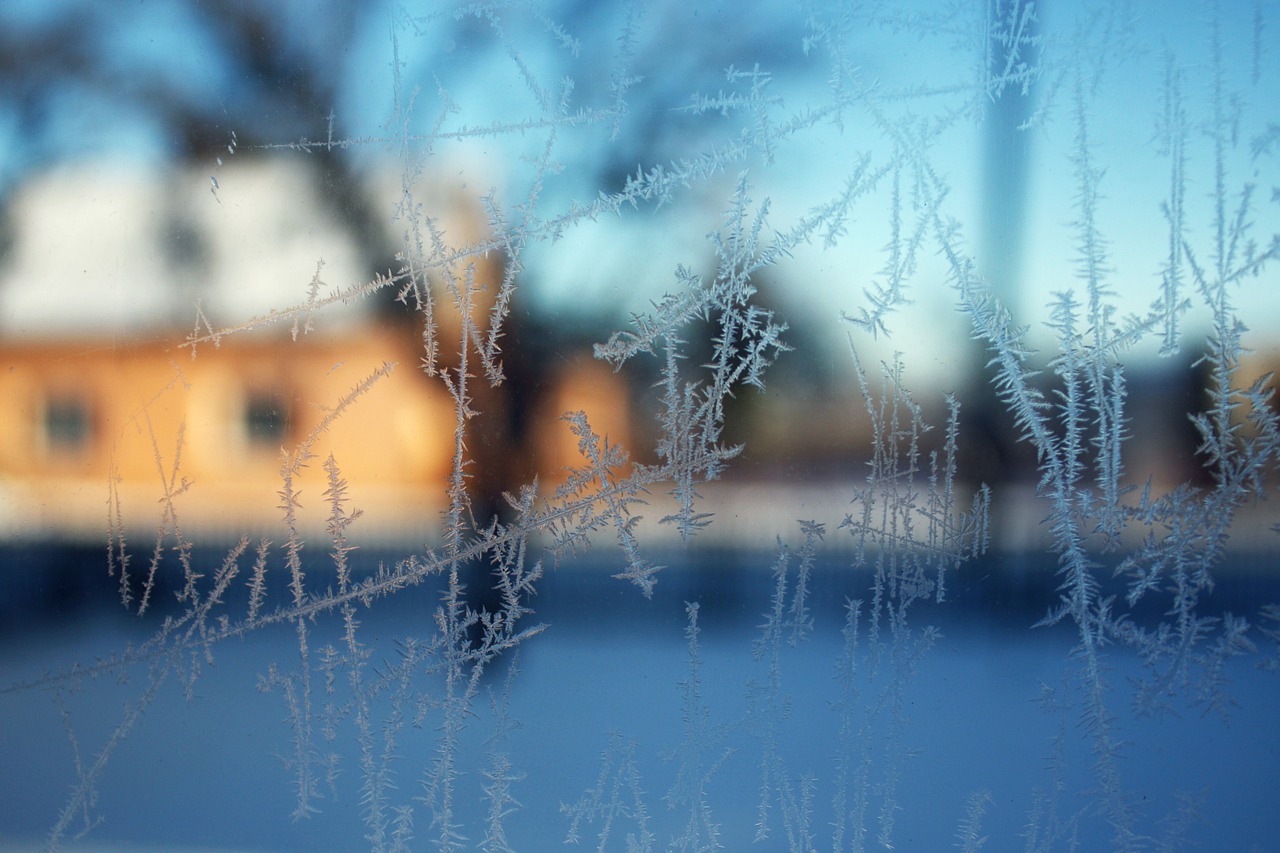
(641, 426)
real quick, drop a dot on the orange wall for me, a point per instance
(393, 442)
(394, 445)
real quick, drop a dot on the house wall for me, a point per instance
(82, 417)
(96, 429)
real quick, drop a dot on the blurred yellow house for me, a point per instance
(96, 431)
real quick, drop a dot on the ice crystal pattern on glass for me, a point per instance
(905, 535)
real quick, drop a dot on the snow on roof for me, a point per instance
(109, 248)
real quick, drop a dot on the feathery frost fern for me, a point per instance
(1125, 548)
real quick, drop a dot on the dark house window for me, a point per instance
(67, 424)
(266, 420)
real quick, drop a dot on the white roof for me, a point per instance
(110, 247)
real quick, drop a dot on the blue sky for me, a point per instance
(181, 49)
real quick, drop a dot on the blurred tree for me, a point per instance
(172, 81)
